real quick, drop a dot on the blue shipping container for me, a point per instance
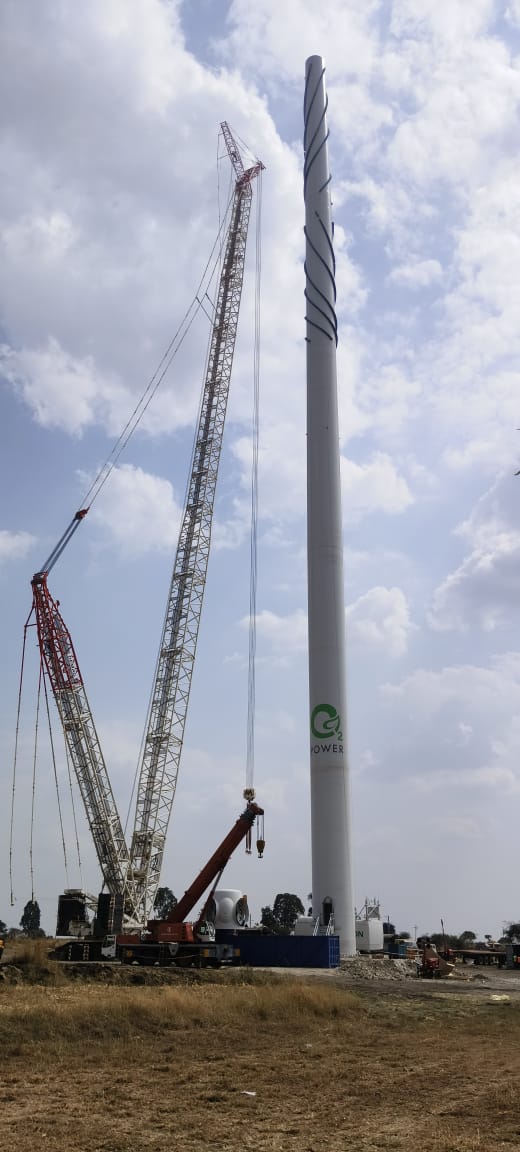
(282, 951)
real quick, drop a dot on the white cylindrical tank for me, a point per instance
(231, 908)
(332, 889)
(369, 936)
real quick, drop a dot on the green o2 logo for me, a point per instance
(325, 722)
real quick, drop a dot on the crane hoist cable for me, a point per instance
(55, 773)
(15, 757)
(251, 680)
(33, 784)
(74, 818)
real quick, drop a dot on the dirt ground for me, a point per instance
(231, 1061)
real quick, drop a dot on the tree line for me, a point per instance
(279, 919)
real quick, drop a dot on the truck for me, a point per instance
(174, 940)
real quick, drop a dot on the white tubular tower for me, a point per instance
(332, 888)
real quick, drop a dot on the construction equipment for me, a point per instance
(429, 964)
(135, 872)
(170, 695)
(428, 959)
(61, 664)
(174, 940)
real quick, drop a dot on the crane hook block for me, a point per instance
(249, 794)
(260, 845)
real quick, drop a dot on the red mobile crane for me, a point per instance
(134, 871)
(174, 940)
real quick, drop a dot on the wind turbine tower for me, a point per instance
(332, 887)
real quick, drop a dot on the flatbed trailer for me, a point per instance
(145, 953)
(489, 956)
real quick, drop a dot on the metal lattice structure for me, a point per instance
(59, 657)
(169, 702)
(136, 872)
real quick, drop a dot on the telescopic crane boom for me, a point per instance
(173, 927)
(213, 869)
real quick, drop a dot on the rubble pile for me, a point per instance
(377, 968)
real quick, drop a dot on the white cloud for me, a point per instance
(469, 100)
(286, 636)
(373, 487)
(458, 728)
(282, 36)
(465, 732)
(417, 274)
(116, 212)
(281, 471)
(447, 20)
(15, 545)
(388, 397)
(380, 619)
(483, 590)
(427, 692)
(492, 775)
(512, 13)
(458, 826)
(62, 390)
(138, 512)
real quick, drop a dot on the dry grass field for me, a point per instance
(234, 1061)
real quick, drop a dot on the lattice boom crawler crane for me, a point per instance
(167, 714)
(134, 872)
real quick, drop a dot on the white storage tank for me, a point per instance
(231, 908)
(369, 936)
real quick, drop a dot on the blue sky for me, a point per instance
(109, 208)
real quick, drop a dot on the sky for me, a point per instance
(113, 184)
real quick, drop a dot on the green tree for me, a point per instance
(281, 917)
(30, 921)
(268, 920)
(445, 940)
(163, 903)
(467, 939)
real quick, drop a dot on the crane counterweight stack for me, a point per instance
(134, 872)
